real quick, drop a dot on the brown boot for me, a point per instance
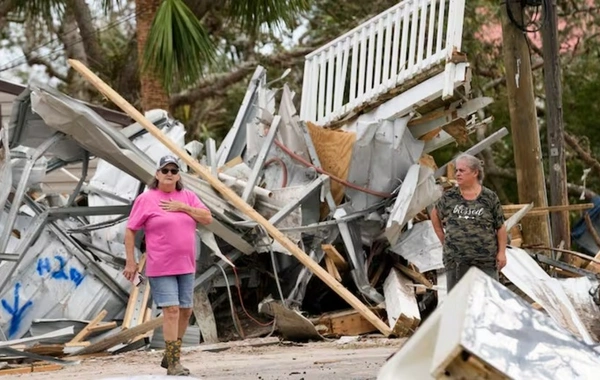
(164, 362)
(172, 353)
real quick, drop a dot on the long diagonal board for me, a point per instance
(232, 197)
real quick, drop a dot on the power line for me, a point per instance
(23, 59)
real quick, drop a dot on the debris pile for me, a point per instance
(355, 199)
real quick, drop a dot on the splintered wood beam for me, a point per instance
(575, 207)
(120, 337)
(30, 369)
(86, 330)
(335, 256)
(231, 196)
(416, 276)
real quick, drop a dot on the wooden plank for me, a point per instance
(121, 337)
(205, 317)
(31, 369)
(414, 275)
(427, 160)
(86, 330)
(594, 266)
(544, 210)
(431, 134)
(77, 344)
(471, 368)
(335, 256)
(103, 327)
(133, 297)
(332, 269)
(232, 197)
(451, 171)
(401, 304)
(344, 323)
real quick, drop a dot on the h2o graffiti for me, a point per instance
(44, 266)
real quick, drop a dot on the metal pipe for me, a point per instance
(243, 184)
(260, 159)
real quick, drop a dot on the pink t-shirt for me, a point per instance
(170, 236)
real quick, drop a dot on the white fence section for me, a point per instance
(379, 55)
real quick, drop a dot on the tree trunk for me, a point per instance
(153, 93)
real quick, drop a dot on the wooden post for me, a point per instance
(523, 117)
(232, 197)
(555, 127)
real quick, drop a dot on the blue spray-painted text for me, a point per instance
(61, 273)
(16, 311)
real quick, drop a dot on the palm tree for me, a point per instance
(174, 49)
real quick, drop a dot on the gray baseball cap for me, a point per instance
(165, 160)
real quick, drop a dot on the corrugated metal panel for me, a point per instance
(51, 283)
(60, 182)
(5, 107)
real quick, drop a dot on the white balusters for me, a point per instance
(379, 55)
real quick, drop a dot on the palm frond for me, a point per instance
(253, 13)
(109, 5)
(178, 48)
(44, 8)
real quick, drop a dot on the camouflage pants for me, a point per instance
(456, 270)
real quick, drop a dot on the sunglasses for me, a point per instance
(166, 171)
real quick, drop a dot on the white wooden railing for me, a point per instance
(382, 53)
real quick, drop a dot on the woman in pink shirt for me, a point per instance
(168, 214)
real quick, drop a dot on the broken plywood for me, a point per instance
(334, 149)
(401, 304)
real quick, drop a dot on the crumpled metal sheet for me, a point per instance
(528, 276)
(421, 246)
(578, 290)
(383, 153)
(51, 283)
(28, 128)
(418, 191)
(5, 166)
(487, 320)
(520, 341)
(90, 131)
(38, 172)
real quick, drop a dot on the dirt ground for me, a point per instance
(324, 360)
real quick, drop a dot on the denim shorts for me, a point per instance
(177, 290)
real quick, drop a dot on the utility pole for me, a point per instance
(554, 126)
(523, 119)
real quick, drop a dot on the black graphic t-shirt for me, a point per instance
(470, 227)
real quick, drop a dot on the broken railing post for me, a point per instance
(232, 197)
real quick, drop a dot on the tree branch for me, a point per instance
(89, 35)
(585, 156)
(212, 86)
(573, 189)
(218, 83)
(5, 8)
(32, 60)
